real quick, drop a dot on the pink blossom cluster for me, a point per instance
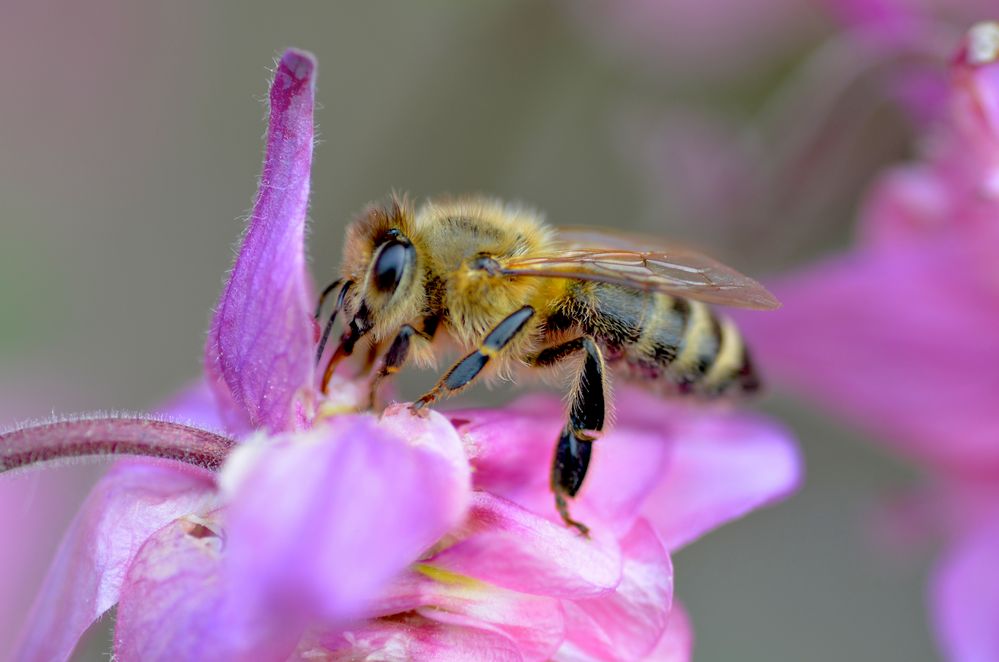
(898, 335)
(355, 535)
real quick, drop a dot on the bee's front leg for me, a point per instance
(464, 371)
(341, 297)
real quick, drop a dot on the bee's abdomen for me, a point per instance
(675, 344)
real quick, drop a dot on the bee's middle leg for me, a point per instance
(398, 353)
(586, 421)
(468, 368)
(392, 361)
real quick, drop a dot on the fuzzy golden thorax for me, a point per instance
(457, 236)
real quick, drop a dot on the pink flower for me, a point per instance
(399, 536)
(798, 163)
(897, 335)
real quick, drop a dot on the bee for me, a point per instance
(516, 293)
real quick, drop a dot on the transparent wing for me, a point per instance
(644, 263)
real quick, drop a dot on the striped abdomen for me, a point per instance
(674, 343)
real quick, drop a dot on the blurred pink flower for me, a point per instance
(780, 178)
(398, 536)
(732, 38)
(900, 15)
(36, 507)
(898, 334)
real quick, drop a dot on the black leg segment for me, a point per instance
(336, 310)
(588, 407)
(572, 458)
(468, 368)
(586, 420)
(394, 359)
(357, 329)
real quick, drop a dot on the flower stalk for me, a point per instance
(31, 445)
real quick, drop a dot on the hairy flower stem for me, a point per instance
(102, 437)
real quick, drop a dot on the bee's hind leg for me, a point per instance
(586, 421)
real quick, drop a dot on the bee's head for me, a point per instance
(380, 258)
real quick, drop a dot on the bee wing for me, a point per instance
(646, 264)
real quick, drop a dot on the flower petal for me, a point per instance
(626, 623)
(510, 448)
(135, 499)
(172, 605)
(723, 466)
(320, 521)
(677, 641)
(895, 340)
(512, 451)
(196, 405)
(965, 598)
(503, 544)
(411, 638)
(260, 346)
(534, 622)
(35, 510)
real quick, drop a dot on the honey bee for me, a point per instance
(515, 292)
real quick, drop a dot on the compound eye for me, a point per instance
(390, 264)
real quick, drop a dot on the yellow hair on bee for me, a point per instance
(512, 293)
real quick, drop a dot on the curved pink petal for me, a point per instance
(512, 450)
(37, 505)
(534, 623)
(965, 597)
(411, 637)
(723, 466)
(897, 341)
(172, 604)
(35, 510)
(626, 623)
(135, 499)
(320, 521)
(197, 405)
(906, 202)
(260, 346)
(504, 544)
(677, 642)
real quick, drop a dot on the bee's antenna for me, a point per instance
(325, 293)
(336, 309)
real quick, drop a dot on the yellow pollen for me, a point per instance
(447, 577)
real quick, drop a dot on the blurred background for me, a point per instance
(130, 144)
